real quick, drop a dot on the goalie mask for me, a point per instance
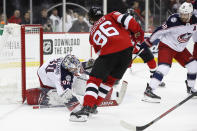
(71, 63)
(185, 11)
(94, 14)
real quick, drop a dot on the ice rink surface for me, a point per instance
(132, 109)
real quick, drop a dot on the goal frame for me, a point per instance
(23, 56)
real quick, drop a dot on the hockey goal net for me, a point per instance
(21, 54)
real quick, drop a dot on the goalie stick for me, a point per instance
(138, 54)
(120, 96)
(47, 106)
(132, 127)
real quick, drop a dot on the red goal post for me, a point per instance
(20, 57)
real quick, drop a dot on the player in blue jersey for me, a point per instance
(174, 36)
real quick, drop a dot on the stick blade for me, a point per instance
(122, 92)
(128, 126)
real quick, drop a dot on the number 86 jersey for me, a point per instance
(112, 33)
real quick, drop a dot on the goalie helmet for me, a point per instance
(94, 14)
(71, 63)
(185, 11)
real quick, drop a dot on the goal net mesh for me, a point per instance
(20, 57)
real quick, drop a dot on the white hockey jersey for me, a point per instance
(175, 33)
(52, 74)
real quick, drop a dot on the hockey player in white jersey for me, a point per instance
(174, 35)
(56, 79)
(61, 80)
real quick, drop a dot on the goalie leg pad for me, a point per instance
(70, 100)
(33, 96)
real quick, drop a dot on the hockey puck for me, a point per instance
(35, 107)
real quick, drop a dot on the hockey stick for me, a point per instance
(132, 127)
(47, 106)
(120, 96)
(82, 78)
(122, 92)
(138, 54)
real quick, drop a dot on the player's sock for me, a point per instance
(152, 66)
(92, 91)
(105, 90)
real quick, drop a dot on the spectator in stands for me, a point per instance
(44, 17)
(2, 19)
(74, 16)
(136, 8)
(79, 25)
(86, 19)
(122, 5)
(175, 6)
(151, 25)
(47, 26)
(15, 18)
(55, 20)
(45, 21)
(26, 19)
(68, 21)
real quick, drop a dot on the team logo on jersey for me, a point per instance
(173, 19)
(164, 26)
(68, 78)
(184, 37)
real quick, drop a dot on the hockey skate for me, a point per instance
(190, 90)
(81, 115)
(162, 84)
(94, 110)
(149, 96)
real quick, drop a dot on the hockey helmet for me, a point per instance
(71, 63)
(94, 14)
(131, 11)
(185, 11)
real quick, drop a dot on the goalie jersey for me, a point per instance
(52, 74)
(175, 33)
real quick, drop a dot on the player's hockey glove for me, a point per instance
(87, 66)
(90, 63)
(145, 44)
